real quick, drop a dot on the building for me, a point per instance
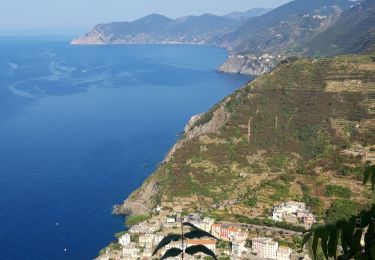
(238, 248)
(283, 253)
(130, 251)
(308, 220)
(171, 220)
(158, 237)
(176, 244)
(265, 247)
(293, 212)
(226, 232)
(240, 236)
(215, 230)
(209, 243)
(277, 215)
(124, 240)
(146, 240)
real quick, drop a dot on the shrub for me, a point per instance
(341, 209)
(337, 191)
(134, 220)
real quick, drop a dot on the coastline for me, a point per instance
(249, 65)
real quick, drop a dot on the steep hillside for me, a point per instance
(281, 28)
(160, 29)
(287, 135)
(242, 16)
(354, 32)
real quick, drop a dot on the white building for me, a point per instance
(130, 251)
(171, 220)
(146, 240)
(293, 212)
(277, 215)
(124, 240)
(158, 237)
(238, 248)
(283, 253)
(176, 244)
(207, 224)
(265, 247)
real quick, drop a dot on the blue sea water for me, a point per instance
(81, 127)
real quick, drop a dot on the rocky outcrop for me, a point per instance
(249, 64)
(140, 202)
(145, 198)
(207, 123)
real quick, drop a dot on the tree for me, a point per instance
(356, 233)
(192, 250)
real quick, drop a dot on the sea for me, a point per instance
(81, 127)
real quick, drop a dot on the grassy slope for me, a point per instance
(299, 132)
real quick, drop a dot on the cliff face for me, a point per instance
(249, 64)
(283, 136)
(158, 29)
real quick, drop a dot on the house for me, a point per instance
(283, 253)
(293, 212)
(232, 233)
(138, 229)
(158, 237)
(308, 220)
(277, 215)
(215, 230)
(146, 240)
(176, 244)
(171, 220)
(124, 240)
(228, 232)
(130, 251)
(238, 248)
(265, 247)
(206, 224)
(240, 236)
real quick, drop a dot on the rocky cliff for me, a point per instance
(249, 64)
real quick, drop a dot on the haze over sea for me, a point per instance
(81, 127)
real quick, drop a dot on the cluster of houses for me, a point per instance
(267, 248)
(294, 213)
(141, 239)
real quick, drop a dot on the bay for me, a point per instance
(81, 127)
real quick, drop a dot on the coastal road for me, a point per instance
(139, 204)
(276, 229)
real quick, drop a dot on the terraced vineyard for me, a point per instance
(302, 132)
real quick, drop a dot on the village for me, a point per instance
(233, 240)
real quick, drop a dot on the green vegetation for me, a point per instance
(341, 209)
(110, 247)
(268, 223)
(136, 219)
(119, 234)
(289, 135)
(251, 202)
(354, 232)
(337, 191)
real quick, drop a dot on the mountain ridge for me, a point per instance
(255, 44)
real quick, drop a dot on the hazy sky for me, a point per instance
(81, 15)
